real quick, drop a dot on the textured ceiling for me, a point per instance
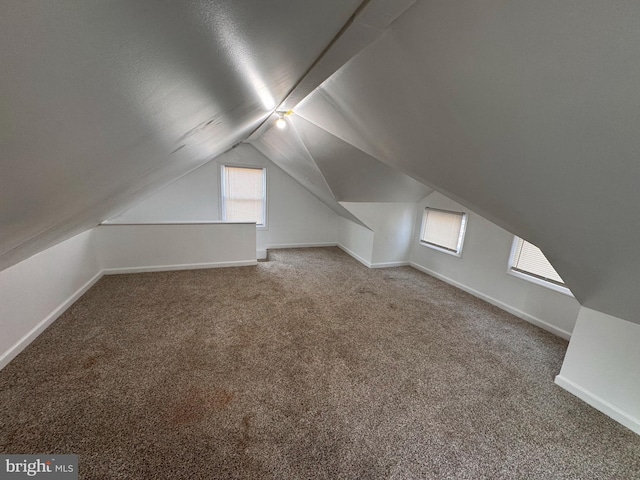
(526, 112)
(353, 175)
(285, 149)
(105, 101)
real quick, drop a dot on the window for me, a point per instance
(443, 230)
(244, 195)
(528, 262)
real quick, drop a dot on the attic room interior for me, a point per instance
(320, 239)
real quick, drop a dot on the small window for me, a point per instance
(244, 195)
(528, 262)
(443, 230)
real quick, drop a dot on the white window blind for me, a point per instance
(443, 229)
(244, 194)
(529, 259)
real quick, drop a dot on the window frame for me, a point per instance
(223, 193)
(531, 277)
(461, 234)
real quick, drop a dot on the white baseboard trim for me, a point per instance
(599, 403)
(389, 264)
(354, 255)
(21, 344)
(369, 264)
(29, 337)
(186, 266)
(514, 311)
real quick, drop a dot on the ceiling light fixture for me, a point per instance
(281, 122)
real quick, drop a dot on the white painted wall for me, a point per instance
(393, 238)
(482, 271)
(141, 96)
(477, 106)
(356, 240)
(601, 366)
(34, 292)
(145, 248)
(392, 225)
(188, 199)
(294, 216)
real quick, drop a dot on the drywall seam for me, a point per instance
(599, 403)
(185, 266)
(514, 311)
(30, 336)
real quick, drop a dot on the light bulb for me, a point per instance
(281, 123)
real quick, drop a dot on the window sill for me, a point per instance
(440, 249)
(542, 283)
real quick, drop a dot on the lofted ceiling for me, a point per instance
(353, 175)
(285, 149)
(526, 112)
(103, 102)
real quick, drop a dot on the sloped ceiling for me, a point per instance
(333, 169)
(353, 175)
(526, 112)
(104, 101)
(319, 109)
(284, 148)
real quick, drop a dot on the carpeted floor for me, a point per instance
(306, 366)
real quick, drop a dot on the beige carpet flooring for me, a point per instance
(307, 366)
